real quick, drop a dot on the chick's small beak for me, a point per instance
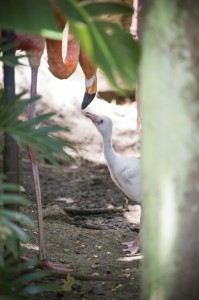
(94, 118)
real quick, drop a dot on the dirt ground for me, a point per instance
(90, 243)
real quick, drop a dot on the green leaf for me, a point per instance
(16, 216)
(108, 8)
(10, 198)
(11, 60)
(124, 50)
(10, 111)
(8, 186)
(6, 46)
(37, 275)
(29, 16)
(11, 244)
(39, 288)
(28, 124)
(17, 232)
(24, 266)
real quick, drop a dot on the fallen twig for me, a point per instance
(134, 20)
(94, 227)
(134, 32)
(92, 211)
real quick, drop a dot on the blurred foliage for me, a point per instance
(108, 45)
(10, 231)
(9, 59)
(22, 280)
(17, 279)
(30, 132)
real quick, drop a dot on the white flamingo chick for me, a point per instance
(124, 171)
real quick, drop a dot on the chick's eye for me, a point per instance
(101, 121)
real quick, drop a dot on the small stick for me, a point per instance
(92, 211)
(134, 32)
(134, 20)
(94, 227)
(139, 112)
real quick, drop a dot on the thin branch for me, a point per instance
(134, 32)
(93, 211)
(134, 20)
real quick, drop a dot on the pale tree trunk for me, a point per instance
(169, 90)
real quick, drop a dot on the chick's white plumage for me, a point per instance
(125, 174)
(125, 171)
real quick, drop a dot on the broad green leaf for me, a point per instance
(125, 50)
(28, 16)
(83, 35)
(108, 8)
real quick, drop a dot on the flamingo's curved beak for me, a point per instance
(91, 88)
(88, 98)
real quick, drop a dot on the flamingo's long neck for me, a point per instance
(59, 68)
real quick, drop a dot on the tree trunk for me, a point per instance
(10, 159)
(169, 90)
(10, 151)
